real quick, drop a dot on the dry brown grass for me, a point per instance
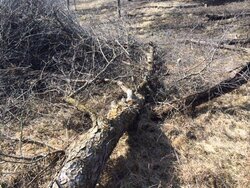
(142, 159)
(214, 145)
(210, 149)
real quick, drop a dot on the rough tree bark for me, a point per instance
(86, 157)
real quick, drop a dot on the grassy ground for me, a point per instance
(209, 148)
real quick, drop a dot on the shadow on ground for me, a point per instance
(149, 161)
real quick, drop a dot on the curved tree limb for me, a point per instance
(197, 99)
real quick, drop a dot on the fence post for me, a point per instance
(119, 8)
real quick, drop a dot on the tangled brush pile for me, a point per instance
(46, 53)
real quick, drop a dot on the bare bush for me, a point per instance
(46, 53)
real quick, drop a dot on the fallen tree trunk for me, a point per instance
(197, 99)
(87, 156)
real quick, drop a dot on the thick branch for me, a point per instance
(87, 156)
(237, 41)
(218, 90)
(89, 153)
